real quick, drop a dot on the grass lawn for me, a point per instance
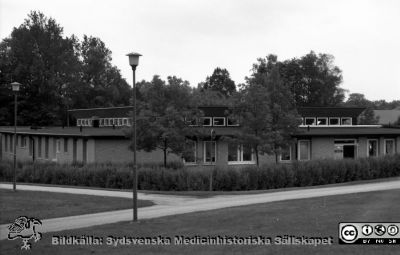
(315, 217)
(44, 205)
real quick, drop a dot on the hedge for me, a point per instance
(178, 178)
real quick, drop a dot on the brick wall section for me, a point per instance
(117, 151)
(222, 153)
(90, 147)
(362, 147)
(381, 146)
(322, 147)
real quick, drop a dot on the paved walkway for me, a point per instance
(172, 205)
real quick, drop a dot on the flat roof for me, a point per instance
(109, 112)
(351, 130)
(69, 131)
(118, 132)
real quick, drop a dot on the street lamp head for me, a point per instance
(15, 86)
(133, 58)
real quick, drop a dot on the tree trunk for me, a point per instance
(257, 160)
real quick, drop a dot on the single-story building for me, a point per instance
(98, 135)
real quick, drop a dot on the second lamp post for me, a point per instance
(15, 88)
(134, 62)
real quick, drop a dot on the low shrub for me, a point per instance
(178, 178)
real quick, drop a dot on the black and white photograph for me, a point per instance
(199, 127)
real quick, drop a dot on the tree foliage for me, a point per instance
(266, 110)
(162, 112)
(57, 73)
(367, 117)
(221, 82)
(313, 80)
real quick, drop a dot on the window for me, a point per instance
(334, 121)
(191, 121)
(322, 121)
(54, 151)
(206, 121)
(189, 154)
(106, 122)
(58, 146)
(101, 122)
(346, 121)
(30, 146)
(39, 147)
(389, 146)
(79, 122)
(304, 150)
(65, 144)
(46, 147)
(286, 154)
(115, 123)
(74, 150)
(240, 153)
(372, 148)
(247, 154)
(125, 120)
(11, 142)
(210, 151)
(5, 142)
(22, 141)
(219, 121)
(84, 150)
(309, 121)
(232, 121)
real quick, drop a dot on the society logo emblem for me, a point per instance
(24, 228)
(380, 230)
(348, 233)
(393, 230)
(367, 230)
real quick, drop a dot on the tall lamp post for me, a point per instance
(134, 62)
(15, 88)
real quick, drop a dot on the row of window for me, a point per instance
(105, 122)
(243, 154)
(9, 142)
(204, 121)
(24, 141)
(236, 153)
(343, 149)
(325, 121)
(213, 121)
(219, 121)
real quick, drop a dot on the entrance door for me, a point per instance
(345, 148)
(348, 151)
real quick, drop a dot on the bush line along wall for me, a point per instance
(119, 176)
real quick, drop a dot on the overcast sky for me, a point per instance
(189, 38)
